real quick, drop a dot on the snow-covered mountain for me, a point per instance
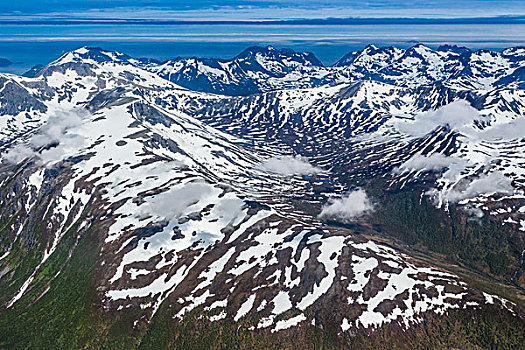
(190, 204)
(259, 69)
(254, 70)
(453, 66)
(368, 129)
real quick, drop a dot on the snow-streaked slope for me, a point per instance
(186, 214)
(369, 129)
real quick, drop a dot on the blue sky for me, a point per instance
(257, 9)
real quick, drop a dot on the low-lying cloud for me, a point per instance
(512, 129)
(56, 131)
(456, 115)
(436, 161)
(350, 206)
(492, 183)
(288, 165)
(18, 153)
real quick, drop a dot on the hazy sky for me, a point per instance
(27, 38)
(258, 9)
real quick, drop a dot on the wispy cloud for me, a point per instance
(487, 184)
(436, 161)
(259, 9)
(348, 207)
(288, 165)
(53, 141)
(456, 115)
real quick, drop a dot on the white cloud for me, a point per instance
(492, 183)
(436, 161)
(352, 205)
(473, 211)
(58, 130)
(510, 130)
(56, 127)
(289, 165)
(456, 115)
(18, 153)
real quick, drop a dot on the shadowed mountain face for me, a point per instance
(141, 204)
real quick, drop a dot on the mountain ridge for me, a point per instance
(182, 208)
(287, 69)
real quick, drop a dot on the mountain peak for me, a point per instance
(253, 50)
(454, 48)
(370, 56)
(96, 54)
(272, 53)
(89, 54)
(419, 48)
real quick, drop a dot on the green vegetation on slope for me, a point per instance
(458, 329)
(69, 315)
(482, 244)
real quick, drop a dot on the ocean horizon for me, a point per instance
(27, 45)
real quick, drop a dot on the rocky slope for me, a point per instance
(128, 201)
